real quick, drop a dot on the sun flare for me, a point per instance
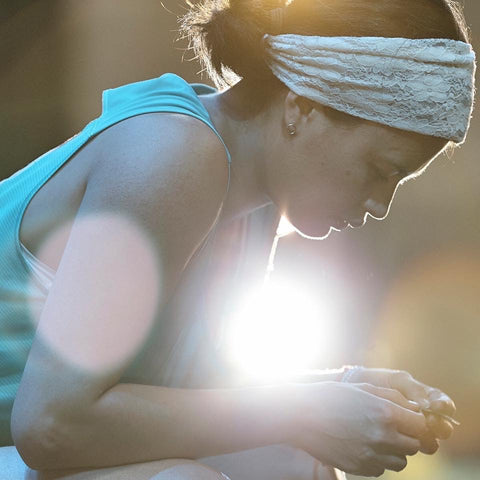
(280, 329)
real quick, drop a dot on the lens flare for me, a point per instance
(281, 329)
(104, 298)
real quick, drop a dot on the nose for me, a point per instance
(378, 205)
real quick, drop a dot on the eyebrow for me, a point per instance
(406, 170)
(402, 170)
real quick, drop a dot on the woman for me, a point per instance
(320, 126)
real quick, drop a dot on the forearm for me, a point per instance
(137, 423)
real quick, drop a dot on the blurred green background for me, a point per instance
(408, 288)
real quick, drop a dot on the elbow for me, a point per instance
(43, 444)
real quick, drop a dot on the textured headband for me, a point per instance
(424, 85)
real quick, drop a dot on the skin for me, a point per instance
(303, 174)
(318, 178)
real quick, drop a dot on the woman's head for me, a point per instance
(328, 144)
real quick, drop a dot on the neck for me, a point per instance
(245, 140)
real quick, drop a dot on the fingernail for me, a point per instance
(413, 404)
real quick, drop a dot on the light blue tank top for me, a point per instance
(168, 93)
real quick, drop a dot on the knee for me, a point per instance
(189, 471)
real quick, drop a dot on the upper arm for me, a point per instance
(145, 211)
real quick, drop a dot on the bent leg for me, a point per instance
(14, 468)
(276, 462)
(190, 471)
(273, 462)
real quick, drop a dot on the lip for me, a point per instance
(356, 223)
(340, 224)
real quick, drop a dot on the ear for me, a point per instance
(300, 110)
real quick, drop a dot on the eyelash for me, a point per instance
(395, 173)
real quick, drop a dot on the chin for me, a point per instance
(314, 232)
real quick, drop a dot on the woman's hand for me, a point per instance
(426, 396)
(359, 428)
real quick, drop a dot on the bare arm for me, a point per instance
(182, 423)
(147, 207)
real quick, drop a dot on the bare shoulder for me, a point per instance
(167, 171)
(165, 148)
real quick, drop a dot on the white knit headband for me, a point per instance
(424, 86)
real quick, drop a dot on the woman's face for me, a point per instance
(329, 177)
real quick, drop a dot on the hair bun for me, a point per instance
(227, 38)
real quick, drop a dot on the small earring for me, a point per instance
(292, 130)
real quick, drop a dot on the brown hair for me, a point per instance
(226, 35)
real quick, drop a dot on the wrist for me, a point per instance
(288, 402)
(311, 404)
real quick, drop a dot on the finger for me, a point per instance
(366, 470)
(368, 465)
(398, 444)
(441, 402)
(393, 396)
(439, 427)
(371, 471)
(412, 389)
(391, 462)
(399, 411)
(429, 444)
(410, 423)
(395, 463)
